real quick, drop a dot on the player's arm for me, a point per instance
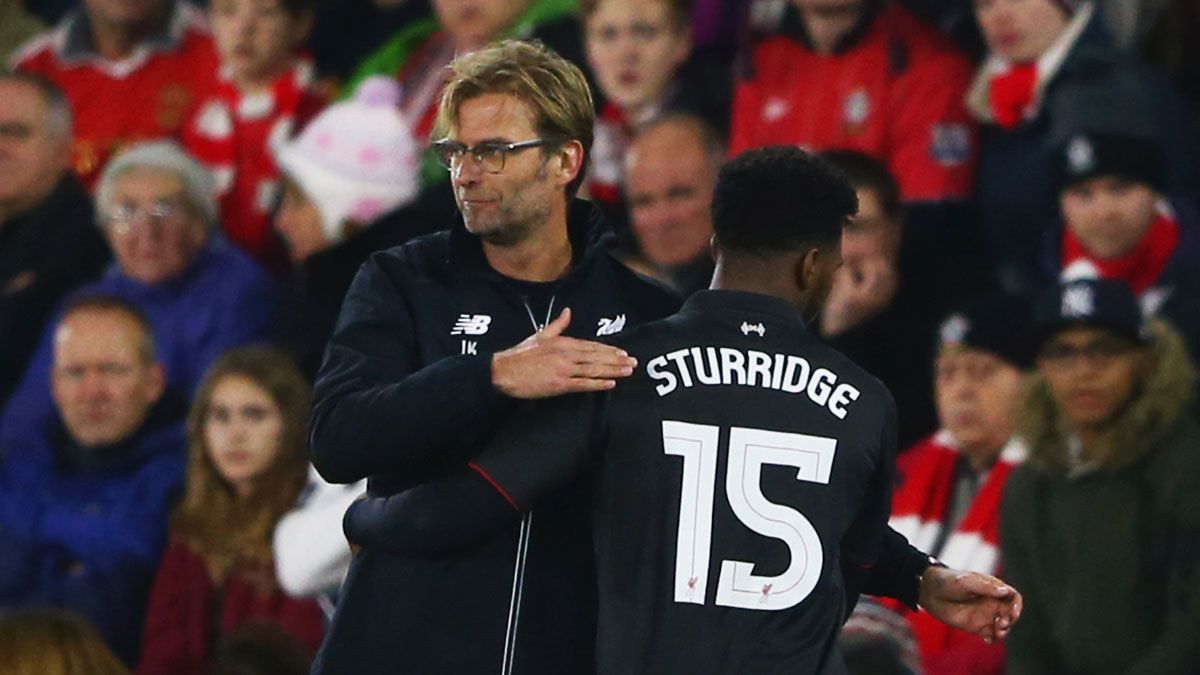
(542, 448)
(977, 603)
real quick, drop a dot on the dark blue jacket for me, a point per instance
(84, 528)
(1099, 89)
(222, 300)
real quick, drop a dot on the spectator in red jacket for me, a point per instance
(132, 71)
(266, 92)
(864, 75)
(247, 464)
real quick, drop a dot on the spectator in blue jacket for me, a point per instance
(201, 294)
(84, 499)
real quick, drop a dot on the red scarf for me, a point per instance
(612, 137)
(1141, 268)
(1011, 94)
(918, 508)
(422, 79)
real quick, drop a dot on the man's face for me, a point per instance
(1019, 30)
(977, 394)
(669, 183)
(474, 23)
(33, 156)
(102, 382)
(1108, 214)
(1092, 372)
(125, 12)
(299, 221)
(502, 208)
(152, 229)
(634, 47)
(255, 38)
(871, 235)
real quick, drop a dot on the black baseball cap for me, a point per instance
(1102, 303)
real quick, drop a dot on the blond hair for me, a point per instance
(210, 519)
(553, 88)
(53, 642)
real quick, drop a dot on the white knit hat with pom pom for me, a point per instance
(356, 160)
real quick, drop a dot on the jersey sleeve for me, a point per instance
(864, 539)
(544, 446)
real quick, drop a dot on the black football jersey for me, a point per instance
(740, 467)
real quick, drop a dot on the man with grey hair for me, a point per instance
(201, 294)
(670, 171)
(48, 240)
(84, 500)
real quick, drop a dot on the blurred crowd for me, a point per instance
(187, 191)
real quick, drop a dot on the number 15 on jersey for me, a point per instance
(749, 450)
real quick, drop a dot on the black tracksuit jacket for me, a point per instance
(405, 396)
(398, 401)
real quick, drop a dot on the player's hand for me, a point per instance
(548, 364)
(859, 291)
(977, 603)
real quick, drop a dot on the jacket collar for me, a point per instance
(74, 44)
(726, 302)
(1083, 29)
(1161, 400)
(587, 230)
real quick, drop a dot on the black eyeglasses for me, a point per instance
(489, 155)
(1098, 353)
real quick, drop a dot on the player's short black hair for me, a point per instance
(780, 199)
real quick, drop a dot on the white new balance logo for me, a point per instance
(611, 326)
(748, 328)
(471, 324)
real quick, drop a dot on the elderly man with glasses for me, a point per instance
(201, 295)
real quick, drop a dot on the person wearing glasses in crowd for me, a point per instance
(433, 350)
(1100, 527)
(201, 294)
(436, 342)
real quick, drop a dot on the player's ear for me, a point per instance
(805, 269)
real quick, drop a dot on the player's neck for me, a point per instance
(544, 255)
(763, 282)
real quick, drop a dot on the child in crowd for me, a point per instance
(266, 91)
(246, 467)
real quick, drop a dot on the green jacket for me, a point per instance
(391, 57)
(1107, 557)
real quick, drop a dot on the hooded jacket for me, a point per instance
(1106, 552)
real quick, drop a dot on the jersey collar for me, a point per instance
(728, 302)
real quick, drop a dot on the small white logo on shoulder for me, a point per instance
(748, 328)
(610, 326)
(471, 324)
